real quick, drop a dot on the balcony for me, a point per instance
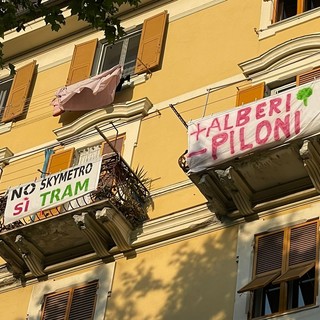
(91, 227)
(258, 157)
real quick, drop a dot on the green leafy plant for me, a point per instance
(304, 94)
(100, 14)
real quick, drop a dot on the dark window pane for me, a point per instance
(111, 56)
(4, 93)
(131, 56)
(286, 9)
(266, 300)
(311, 4)
(301, 291)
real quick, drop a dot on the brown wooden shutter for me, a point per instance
(83, 302)
(303, 243)
(269, 252)
(268, 260)
(105, 149)
(73, 304)
(19, 92)
(56, 305)
(151, 42)
(60, 161)
(302, 251)
(308, 76)
(250, 94)
(82, 61)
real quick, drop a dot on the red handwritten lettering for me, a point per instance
(263, 124)
(242, 116)
(283, 125)
(218, 140)
(243, 145)
(274, 104)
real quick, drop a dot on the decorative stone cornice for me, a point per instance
(97, 237)
(309, 152)
(238, 189)
(31, 255)
(118, 227)
(128, 110)
(285, 53)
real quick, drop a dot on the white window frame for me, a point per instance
(104, 275)
(4, 127)
(267, 28)
(103, 45)
(245, 257)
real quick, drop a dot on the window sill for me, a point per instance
(5, 127)
(271, 29)
(135, 80)
(289, 312)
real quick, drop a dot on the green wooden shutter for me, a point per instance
(82, 61)
(19, 92)
(151, 42)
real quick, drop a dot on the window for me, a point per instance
(259, 91)
(288, 8)
(5, 87)
(122, 52)
(96, 283)
(284, 270)
(73, 304)
(138, 51)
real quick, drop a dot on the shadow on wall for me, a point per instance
(194, 283)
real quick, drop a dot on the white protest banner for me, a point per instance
(258, 125)
(51, 191)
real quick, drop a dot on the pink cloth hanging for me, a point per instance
(89, 94)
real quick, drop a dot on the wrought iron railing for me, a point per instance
(182, 161)
(118, 185)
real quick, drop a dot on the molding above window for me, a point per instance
(103, 273)
(299, 55)
(127, 110)
(267, 28)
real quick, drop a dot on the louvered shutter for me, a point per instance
(268, 260)
(308, 76)
(302, 251)
(19, 92)
(74, 304)
(82, 61)
(250, 94)
(151, 42)
(56, 305)
(83, 302)
(118, 145)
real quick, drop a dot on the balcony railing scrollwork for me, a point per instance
(118, 185)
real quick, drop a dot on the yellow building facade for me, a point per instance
(189, 191)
